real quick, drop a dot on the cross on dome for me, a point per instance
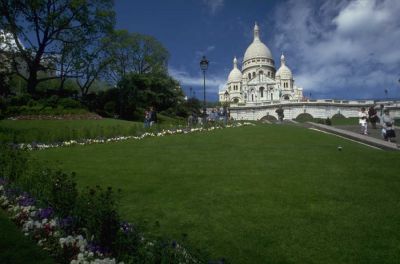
(283, 59)
(256, 32)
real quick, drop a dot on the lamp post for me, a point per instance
(203, 67)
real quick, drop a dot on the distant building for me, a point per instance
(259, 81)
(257, 90)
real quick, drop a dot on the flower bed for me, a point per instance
(164, 132)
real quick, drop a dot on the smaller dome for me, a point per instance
(235, 75)
(284, 72)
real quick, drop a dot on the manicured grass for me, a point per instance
(51, 131)
(264, 194)
(344, 121)
(17, 249)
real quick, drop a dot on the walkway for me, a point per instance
(371, 140)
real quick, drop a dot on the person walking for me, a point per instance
(387, 126)
(372, 116)
(362, 115)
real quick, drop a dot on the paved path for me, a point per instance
(352, 132)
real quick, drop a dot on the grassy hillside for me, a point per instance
(60, 130)
(264, 194)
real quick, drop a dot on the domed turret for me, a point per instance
(235, 75)
(284, 73)
(257, 49)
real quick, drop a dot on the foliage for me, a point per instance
(60, 27)
(134, 53)
(97, 211)
(16, 248)
(304, 117)
(144, 90)
(13, 163)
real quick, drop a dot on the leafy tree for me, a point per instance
(134, 53)
(57, 26)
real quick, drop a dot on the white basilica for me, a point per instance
(259, 81)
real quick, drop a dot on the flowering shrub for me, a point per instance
(88, 141)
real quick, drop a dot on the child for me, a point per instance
(363, 121)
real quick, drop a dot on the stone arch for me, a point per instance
(268, 118)
(304, 117)
(338, 116)
(235, 100)
(286, 97)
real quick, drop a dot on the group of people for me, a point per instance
(385, 119)
(150, 117)
(218, 114)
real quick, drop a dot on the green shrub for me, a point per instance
(69, 103)
(13, 162)
(97, 212)
(110, 108)
(304, 117)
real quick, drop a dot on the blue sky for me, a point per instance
(335, 49)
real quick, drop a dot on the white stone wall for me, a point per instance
(316, 108)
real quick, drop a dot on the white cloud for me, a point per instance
(341, 46)
(213, 83)
(214, 5)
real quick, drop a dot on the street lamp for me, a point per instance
(203, 67)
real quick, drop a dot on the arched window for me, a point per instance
(260, 72)
(252, 97)
(272, 96)
(249, 75)
(261, 91)
(254, 74)
(286, 97)
(236, 100)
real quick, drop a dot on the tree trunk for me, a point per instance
(32, 83)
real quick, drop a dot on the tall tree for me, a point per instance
(44, 30)
(135, 53)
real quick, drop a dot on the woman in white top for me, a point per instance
(362, 115)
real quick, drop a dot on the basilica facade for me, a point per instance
(258, 80)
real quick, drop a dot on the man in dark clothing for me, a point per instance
(372, 116)
(153, 116)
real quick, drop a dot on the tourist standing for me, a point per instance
(280, 114)
(372, 116)
(153, 116)
(146, 119)
(387, 126)
(362, 115)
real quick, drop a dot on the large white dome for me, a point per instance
(257, 49)
(235, 75)
(284, 72)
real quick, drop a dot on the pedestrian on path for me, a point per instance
(372, 116)
(387, 126)
(362, 115)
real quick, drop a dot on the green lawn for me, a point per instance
(60, 130)
(12, 240)
(263, 194)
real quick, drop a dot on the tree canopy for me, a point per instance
(134, 53)
(46, 32)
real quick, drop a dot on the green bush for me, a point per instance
(97, 211)
(69, 103)
(304, 117)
